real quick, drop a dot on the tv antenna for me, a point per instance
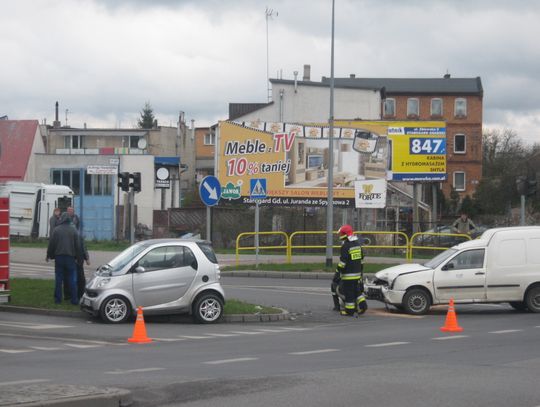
(269, 14)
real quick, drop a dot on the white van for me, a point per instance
(502, 265)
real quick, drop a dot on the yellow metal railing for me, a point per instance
(412, 246)
(241, 235)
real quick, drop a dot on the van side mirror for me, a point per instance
(448, 266)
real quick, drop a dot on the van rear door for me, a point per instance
(463, 277)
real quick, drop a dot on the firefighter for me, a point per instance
(349, 271)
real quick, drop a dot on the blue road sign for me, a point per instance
(257, 188)
(210, 190)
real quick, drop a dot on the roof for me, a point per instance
(409, 86)
(240, 109)
(16, 141)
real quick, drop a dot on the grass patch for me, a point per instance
(302, 267)
(35, 293)
(240, 307)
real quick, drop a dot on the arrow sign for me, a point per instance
(210, 190)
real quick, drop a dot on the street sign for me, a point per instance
(257, 188)
(210, 190)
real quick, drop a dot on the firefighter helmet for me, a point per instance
(345, 231)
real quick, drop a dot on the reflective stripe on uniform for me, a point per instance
(341, 264)
(356, 253)
(360, 299)
(350, 305)
(350, 276)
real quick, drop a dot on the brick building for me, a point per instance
(457, 101)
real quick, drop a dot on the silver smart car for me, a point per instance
(164, 276)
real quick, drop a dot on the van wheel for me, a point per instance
(532, 299)
(115, 310)
(416, 301)
(208, 309)
(518, 305)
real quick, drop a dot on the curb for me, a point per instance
(302, 275)
(47, 395)
(283, 316)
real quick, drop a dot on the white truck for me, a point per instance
(32, 204)
(501, 266)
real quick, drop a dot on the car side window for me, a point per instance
(162, 258)
(471, 259)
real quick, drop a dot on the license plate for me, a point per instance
(86, 301)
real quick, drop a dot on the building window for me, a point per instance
(68, 177)
(389, 107)
(209, 139)
(459, 144)
(459, 181)
(413, 107)
(73, 142)
(460, 107)
(134, 141)
(98, 184)
(436, 107)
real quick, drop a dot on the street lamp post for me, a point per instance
(330, 183)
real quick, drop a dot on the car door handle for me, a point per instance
(479, 273)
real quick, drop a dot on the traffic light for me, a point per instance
(123, 181)
(136, 182)
(531, 187)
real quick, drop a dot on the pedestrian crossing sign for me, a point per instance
(257, 188)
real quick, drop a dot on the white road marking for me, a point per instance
(81, 346)
(168, 339)
(223, 361)
(246, 332)
(16, 350)
(444, 338)
(44, 348)
(273, 330)
(311, 352)
(506, 331)
(28, 325)
(24, 382)
(194, 337)
(59, 338)
(296, 329)
(147, 369)
(222, 335)
(380, 345)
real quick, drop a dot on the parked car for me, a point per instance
(443, 240)
(500, 266)
(164, 276)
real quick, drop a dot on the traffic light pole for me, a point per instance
(522, 211)
(132, 216)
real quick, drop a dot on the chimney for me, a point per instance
(295, 73)
(56, 123)
(447, 76)
(307, 73)
(352, 76)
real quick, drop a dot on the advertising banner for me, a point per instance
(294, 158)
(370, 194)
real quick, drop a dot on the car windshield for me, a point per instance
(119, 262)
(434, 262)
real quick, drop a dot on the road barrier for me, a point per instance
(412, 246)
(271, 247)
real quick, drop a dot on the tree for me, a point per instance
(147, 117)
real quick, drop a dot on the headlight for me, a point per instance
(103, 282)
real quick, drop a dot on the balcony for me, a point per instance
(100, 151)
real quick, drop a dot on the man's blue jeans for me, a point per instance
(65, 265)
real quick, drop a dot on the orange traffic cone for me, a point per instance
(451, 324)
(139, 332)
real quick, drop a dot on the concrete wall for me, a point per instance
(312, 104)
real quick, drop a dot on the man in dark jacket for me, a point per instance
(349, 269)
(65, 248)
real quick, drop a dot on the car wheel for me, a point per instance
(518, 305)
(208, 309)
(532, 299)
(115, 309)
(416, 301)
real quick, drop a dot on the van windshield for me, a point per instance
(434, 262)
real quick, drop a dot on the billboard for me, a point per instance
(294, 158)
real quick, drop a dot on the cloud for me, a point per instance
(103, 59)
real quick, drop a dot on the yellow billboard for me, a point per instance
(292, 160)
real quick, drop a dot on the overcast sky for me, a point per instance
(103, 59)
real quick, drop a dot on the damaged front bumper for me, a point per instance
(381, 292)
